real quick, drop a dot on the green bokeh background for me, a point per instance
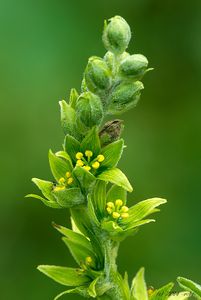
(44, 49)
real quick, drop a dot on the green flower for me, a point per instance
(91, 162)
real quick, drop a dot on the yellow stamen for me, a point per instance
(88, 153)
(115, 215)
(118, 202)
(79, 155)
(124, 215)
(87, 168)
(109, 210)
(100, 158)
(70, 180)
(96, 165)
(68, 174)
(80, 163)
(62, 180)
(59, 188)
(124, 209)
(88, 260)
(150, 291)
(110, 204)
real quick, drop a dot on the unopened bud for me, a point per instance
(134, 66)
(116, 35)
(111, 132)
(97, 74)
(124, 97)
(89, 110)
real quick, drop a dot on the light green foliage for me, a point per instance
(88, 181)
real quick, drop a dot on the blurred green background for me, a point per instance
(44, 49)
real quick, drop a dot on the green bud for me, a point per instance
(111, 132)
(134, 66)
(116, 35)
(124, 97)
(89, 110)
(97, 74)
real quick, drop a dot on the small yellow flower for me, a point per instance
(79, 155)
(109, 210)
(124, 215)
(124, 209)
(88, 153)
(100, 158)
(68, 174)
(96, 165)
(115, 215)
(88, 260)
(119, 202)
(80, 163)
(70, 180)
(59, 188)
(62, 180)
(110, 204)
(87, 168)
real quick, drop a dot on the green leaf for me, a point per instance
(117, 177)
(91, 142)
(58, 166)
(85, 178)
(46, 202)
(68, 123)
(91, 211)
(64, 275)
(69, 197)
(82, 291)
(190, 286)
(138, 287)
(180, 296)
(99, 197)
(162, 293)
(45, 187)
(71, 146)
(112, 154)
(74, 236)
(142, 210)
(92, 288)
(65, 156)
(73, 97)
(116, 192)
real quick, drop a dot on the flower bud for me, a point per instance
(97, 74)
(124, 97)
(111, 132)
(116, 35)
(89, 110)
(134, 66)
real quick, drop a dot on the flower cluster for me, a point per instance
(87, 162)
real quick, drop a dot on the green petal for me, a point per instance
(46, 202)
(91, 142)
(99, 197)
(85, 178)
(116, 192)
(138, 287)
(59, 166)
(65, 276)
(190, 286)
(112, 154)
(69, 197)
(91, 212)
(45, 187)
(92, 288)
(162, 293)
(71, 146)
(180, 296)
(117, 177)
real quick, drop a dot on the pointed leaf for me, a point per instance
(190, 286)
(180, 296)
(91, 211)
(92, 288)
(162, 293)
(91, 142)
(82, 290)
(99, 197)
(69, 197)
(64, 275)
(112, 154)
(45, 187)
(117, 177)
(138, 287)
(64, 155)
(73, 98)
(116, 192)
(71, 146)
(85, 178)
(58, 166)
(46, 202)
(68, 122)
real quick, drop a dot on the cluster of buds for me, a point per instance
(86, 161)
(117, 210)
(64, 182)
